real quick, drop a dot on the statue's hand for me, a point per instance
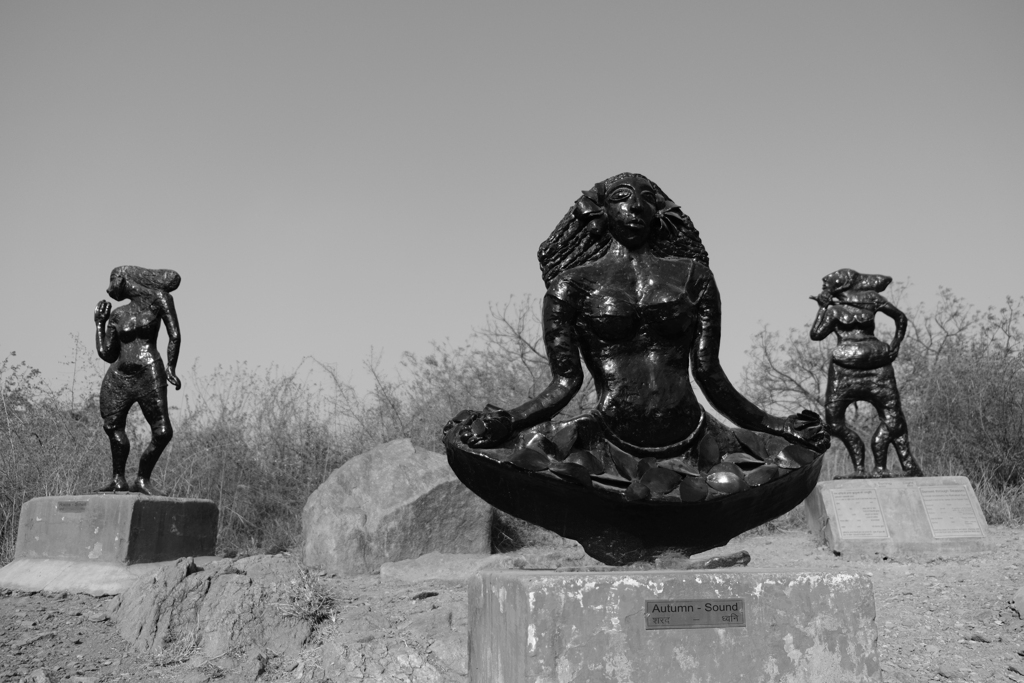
(173, 380)
(481, 429)
(807, 429)
(824, 298)
(894, 352)
(102, 312)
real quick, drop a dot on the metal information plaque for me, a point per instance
(711, 613)
(949, 512)
(858, 514)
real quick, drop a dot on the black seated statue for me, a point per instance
(861, 367)
(648, 471)
(126, 338)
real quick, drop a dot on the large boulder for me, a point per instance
(395, 502)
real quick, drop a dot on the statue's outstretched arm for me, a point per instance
(805, 428)
(707, 370)
(564, 359)
(492, 426)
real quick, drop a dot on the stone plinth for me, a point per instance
(919, 517)
(695, 626)
(101, 544)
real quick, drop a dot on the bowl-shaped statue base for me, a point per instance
(617, 531)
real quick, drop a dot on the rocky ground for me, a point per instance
(949, 619)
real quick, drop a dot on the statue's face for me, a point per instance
(630, 208)
(116, 288)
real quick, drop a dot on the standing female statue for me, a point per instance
(126, 338)
(861, 367)
(630, 292)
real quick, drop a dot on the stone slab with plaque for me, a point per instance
(101, 544)
(912, 517)
(737, 624)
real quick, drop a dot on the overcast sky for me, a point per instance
(331, 177)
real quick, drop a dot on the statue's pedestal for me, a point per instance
(696, 626)
(102, 543)
(907, 517)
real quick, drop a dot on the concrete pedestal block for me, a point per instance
(914, 517)
(101, 544)
(695, 626)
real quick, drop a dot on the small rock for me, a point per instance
(96, 616)
(39, 676)
(980, 638)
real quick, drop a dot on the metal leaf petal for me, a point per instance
(727, 467)
(762, 475)
(743, 459)
(590, 462)
(644, 465)
(625, 463)
(573, 472)
(794, 457)
(751, 442)
(693, 489)
(529, 459)
(660, 480)
(708, 451)
(539, 442)
(799, 454)
(681, 465)
(637, 491)
(563, 437)
(726, 482)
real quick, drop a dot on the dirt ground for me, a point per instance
(948, 619)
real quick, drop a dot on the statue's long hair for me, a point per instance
(581, 237)
(156, 279)
(847, 278)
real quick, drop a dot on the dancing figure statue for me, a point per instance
(126, 338)
(861, 367)
(648, 471)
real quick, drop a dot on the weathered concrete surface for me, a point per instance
(102, 544)
(395, 502)
(901, 518)
(590, 627)
(75, 576)
(127, 528)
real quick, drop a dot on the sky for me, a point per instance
(331, 177)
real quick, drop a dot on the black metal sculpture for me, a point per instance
(648, 471)
(126, 338)
(861, 367)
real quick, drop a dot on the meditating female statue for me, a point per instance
(629, 290)
(126, 338)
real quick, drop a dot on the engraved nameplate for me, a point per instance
(71, 506)
(949, 512)
(858, 514)
(711, 613)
